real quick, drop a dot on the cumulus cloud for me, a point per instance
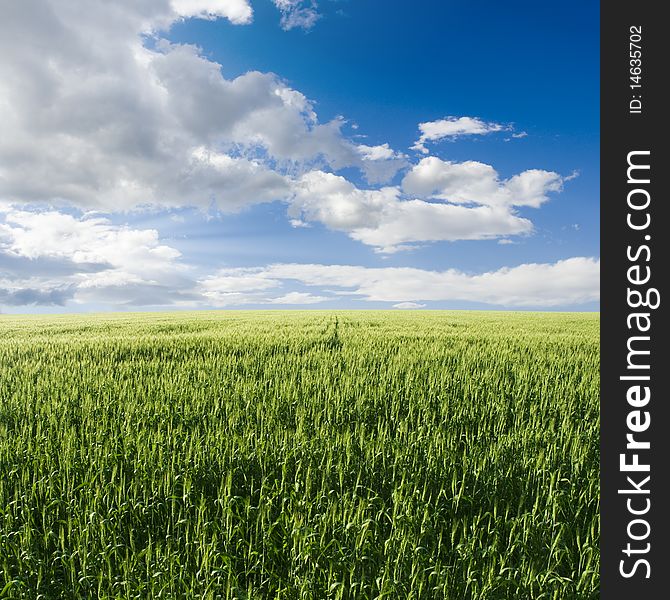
(302, 14)
(53, 234)
(472, 204)
(238, 12)
(93, 115)
(380, 163)
(451, 128)
(567, 282)
(473, 182)
(52, 257)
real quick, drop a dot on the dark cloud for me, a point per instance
(30, 296)
(12, 266)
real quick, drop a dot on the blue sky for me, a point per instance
(177, 154)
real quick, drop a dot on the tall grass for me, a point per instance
(299, 455)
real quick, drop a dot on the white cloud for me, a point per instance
(82, 240)
(302, 14)
(567, 282)
(381, 218)
(571, 281)
(238, 12)
(381, 152)
(234, 182)
(453, 127)
(231, 281)
(234, 287)
(408, 305)
(473, 182)
(92, 117)
(419, 221)
(298, 298)
(52, 257)
(381, 162)
(337, 203)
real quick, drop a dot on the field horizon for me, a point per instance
(186, 311)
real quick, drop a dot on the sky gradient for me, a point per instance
(186, 154)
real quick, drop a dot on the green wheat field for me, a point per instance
(300, 455)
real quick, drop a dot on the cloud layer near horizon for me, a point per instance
(53, 258)
(571, 281)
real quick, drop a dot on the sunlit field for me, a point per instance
(300, 455)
